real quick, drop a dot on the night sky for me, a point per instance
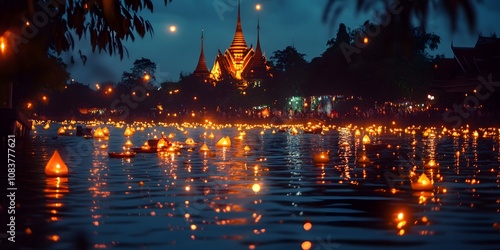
(283, 23)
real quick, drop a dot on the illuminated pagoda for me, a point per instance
(239, 61)
(201, 70)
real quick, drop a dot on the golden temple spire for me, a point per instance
(238, 43)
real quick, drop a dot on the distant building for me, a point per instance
(238, 62)
(463, 72)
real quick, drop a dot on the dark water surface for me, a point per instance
(193, 200)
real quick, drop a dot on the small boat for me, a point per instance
(126, 154)
(145, 150)
(313, 130)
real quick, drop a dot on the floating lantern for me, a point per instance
(128, 143)
(357, 132)
(103, 147)
(307, 226)
(128, 132)
(98, 133)
(431, 164)
(105, 131)
(47, 126)
(224, 142)
(321, 158)
(475, 134)
(422, 184)
(171, 135)
(246, 148)
(190, 141)
(363, 159)
(211, 135)
(56, 166)
(204, 148)
(306, 245)
(366, 139)
(161, 143)
(61, 131)
(262, 132)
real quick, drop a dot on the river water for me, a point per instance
(273, 196)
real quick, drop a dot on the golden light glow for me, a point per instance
(431, 164)
(54, 238)
(321, 158)
(365, 40)
(306, 245)
(204, 148)
(147, 77)
(44, 98)
(172, 28)
(224, 142)
(256, 188)
(29, 105)
(61, 131)
(422, 184)
(56, 166)
(2, 45)
(307, 226)
(98, 133)
(258, 6)
(401, 216)
(105, 131)
(366, 139)
(128, 132)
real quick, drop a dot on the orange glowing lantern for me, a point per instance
(256, 188)
(321, 158)
(366, 139)
(211, 135)
(98, 133)
(204, 148)
(56, 166)
(61, 131)
(422, 184)
(431, 164)
(47, 126)
(224, 142)
(357, 133)
(190, 141)
(161, 143)
(105, 131)
(246, 148)
(128, 132)
(128, 143)
(171, 135)
(363, 159)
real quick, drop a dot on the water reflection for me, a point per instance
(275, 195)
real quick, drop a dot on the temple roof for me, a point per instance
(239, 42)
(258, 63)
